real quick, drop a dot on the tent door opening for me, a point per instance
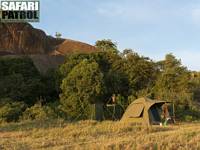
(155, 114)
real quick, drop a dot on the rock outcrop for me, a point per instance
(71, 46)
(23, 39)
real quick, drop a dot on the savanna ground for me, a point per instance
(59, 135)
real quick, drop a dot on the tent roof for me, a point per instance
(147, 100)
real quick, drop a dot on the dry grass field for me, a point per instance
(60, 135)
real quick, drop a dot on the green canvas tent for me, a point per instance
(144, 110)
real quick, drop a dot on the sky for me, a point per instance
(152, 28)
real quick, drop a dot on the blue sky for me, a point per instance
(151, 27)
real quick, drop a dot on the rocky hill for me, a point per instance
(22, 38)
(19, 39)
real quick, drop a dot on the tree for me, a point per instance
(58, 35)
(81, 87)
(195, 85)
(116, 79)
(20, 80)
(106, 45)
(173, 83)
(141, 72)
(126, 52)
(110, 64)
(51, 81)
(71, 61)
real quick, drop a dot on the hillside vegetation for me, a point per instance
(60, 135)
(85, 79)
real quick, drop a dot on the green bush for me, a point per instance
(188, 114)
(10, 111)
(188, 118)
(58, 109)
(38, 112)
(20, 80)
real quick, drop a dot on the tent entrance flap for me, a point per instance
(137, 111)
(154, 113)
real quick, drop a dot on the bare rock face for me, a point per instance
(71, 46)
(23, 39)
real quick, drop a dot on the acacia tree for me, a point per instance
(82, 86)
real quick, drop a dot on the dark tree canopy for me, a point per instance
(21, 81)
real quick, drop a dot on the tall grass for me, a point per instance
(58, 134)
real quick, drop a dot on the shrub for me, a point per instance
(188, 114)
(38, 112)
(10, 111)
(58, 109)
(188, 118)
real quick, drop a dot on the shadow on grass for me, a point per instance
(30, 125)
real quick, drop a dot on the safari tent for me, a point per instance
(144, 110)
